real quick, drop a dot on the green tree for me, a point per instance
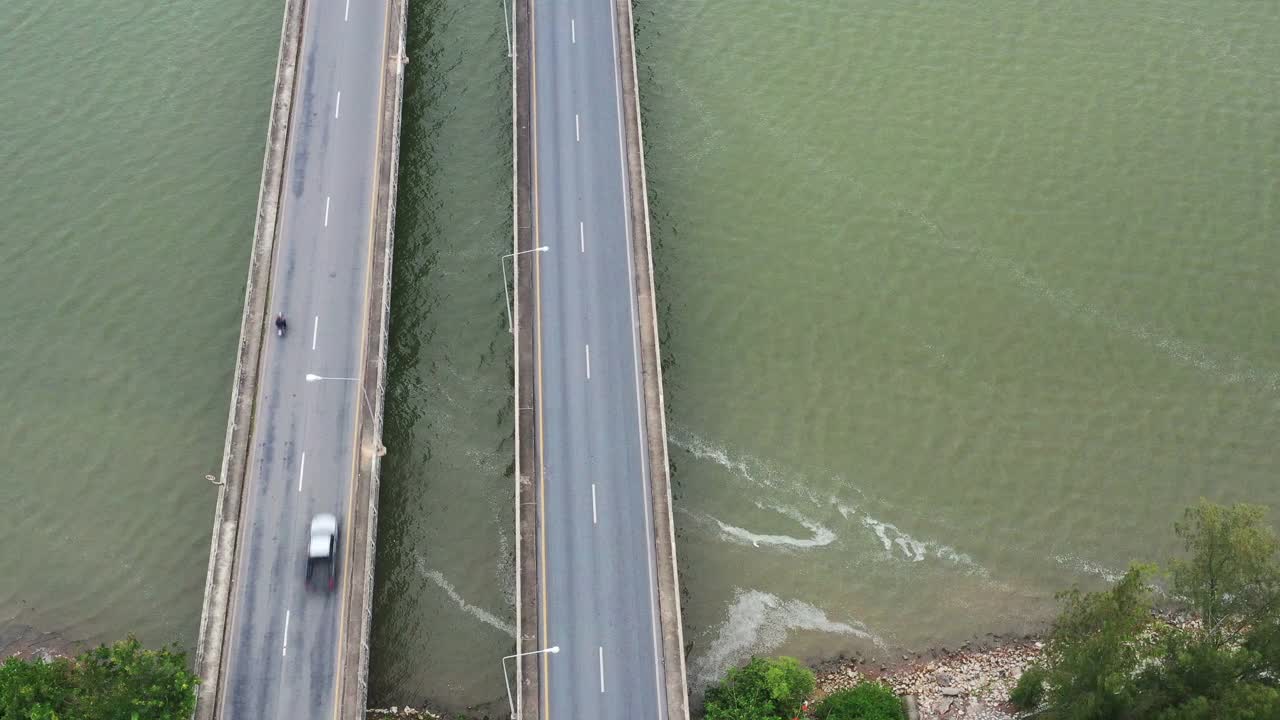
(864, 701)
(1192, 677)
(763, 689)
(1106, 660)
(122, 682)
(1264, 639)
(1229, 668)
(1232, 576)
(1092, 653)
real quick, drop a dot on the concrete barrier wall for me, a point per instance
(226, 515)
(526, 511)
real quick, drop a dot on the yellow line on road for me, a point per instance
(537, 289)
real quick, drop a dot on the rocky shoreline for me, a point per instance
(969, 683)
(972, 682)
(26, 643)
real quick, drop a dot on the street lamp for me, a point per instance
(312, 377)
(544, 248)
(551, 650)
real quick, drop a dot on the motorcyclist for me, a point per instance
(280, 323)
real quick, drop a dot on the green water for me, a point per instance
(961, 303)
(443, 610)
(132, 142)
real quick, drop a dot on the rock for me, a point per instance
(395, 710)
(942, 678)
(1039, 645)
(850, 672)
(949, 691)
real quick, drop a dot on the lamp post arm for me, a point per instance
(506, 679)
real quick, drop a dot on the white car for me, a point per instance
(322, 552)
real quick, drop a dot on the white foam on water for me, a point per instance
(845, 511)
(761, 475)
(478, 613)
(820, 535)
(912, 549)
(1088, 567)
(946, 552)
(704, 450)
(759, 622)
(890, 535)
(751, 469)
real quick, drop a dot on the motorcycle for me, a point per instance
(280, 325)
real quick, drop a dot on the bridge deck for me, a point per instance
(305, 423)
(598, 578)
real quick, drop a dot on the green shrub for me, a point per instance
(763, 689)
(865, 701)
(120, 682)
(36, 690)
(1029, 692)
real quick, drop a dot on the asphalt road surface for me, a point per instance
(598, 579)
(283, 642)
